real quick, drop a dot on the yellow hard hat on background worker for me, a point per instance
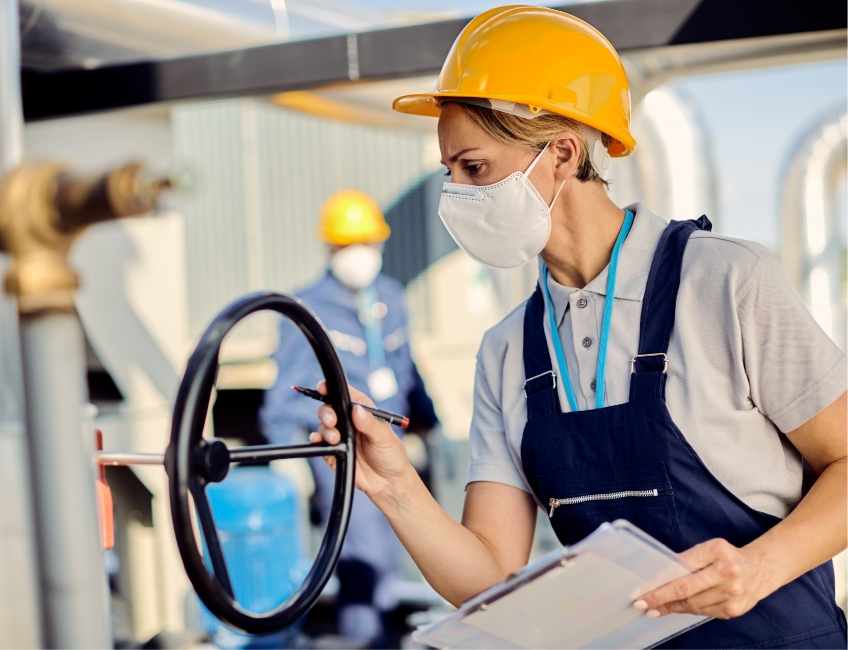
(546, 61)
(352, 217)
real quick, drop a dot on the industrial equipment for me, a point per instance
(193, 463)
(43, 209)
(257, 512)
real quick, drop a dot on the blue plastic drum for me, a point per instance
(261, 528)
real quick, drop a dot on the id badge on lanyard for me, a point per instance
(382, 382)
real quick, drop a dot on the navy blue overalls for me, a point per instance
(631, 462)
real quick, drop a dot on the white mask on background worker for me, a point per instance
(357, 266)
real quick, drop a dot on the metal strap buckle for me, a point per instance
(653, 354)
(549, 372)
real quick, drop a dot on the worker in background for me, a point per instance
(659, 373)
(365, 315)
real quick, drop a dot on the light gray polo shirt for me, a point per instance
(747, 363)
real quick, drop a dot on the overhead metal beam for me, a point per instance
(402, 52)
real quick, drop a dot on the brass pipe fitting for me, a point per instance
(43, 209)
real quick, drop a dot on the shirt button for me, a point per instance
(582, 303)
(587, 342)
(594, 384)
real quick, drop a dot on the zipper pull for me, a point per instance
(554, 504)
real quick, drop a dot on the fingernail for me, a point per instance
(640, 604)
(326, 418)
(359, 411)
(654, 613)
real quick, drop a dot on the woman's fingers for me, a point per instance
(327, 416)
(715, 602)
(317, 438)
(360, 397)
(330, 435)
(380, 454)
(727, 584)
(324, 436)
(365, 422)
(706, 553)
(679, 590)
(691, 605)
(355, 395)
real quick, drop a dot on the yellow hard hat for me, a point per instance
(352, 217)
(539, 57)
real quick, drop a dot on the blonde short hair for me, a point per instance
(535, 133)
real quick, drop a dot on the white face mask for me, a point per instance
(503, 225)
(357, 266)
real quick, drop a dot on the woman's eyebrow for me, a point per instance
(456, 156)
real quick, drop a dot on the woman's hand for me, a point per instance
(380, 455)
(729, 582)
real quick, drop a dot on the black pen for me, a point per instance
(386, 416)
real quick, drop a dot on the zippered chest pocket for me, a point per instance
(607, 496)
(580, 500)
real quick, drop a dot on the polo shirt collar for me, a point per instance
(634, 263)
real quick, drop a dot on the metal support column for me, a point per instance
(20, 618)
(43, 209)
(74, 587)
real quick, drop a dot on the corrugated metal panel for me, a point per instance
(262, 174)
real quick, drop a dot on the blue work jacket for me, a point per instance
(285, 414)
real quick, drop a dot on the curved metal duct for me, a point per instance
(814, 246)
(673, 170)
(89, 33)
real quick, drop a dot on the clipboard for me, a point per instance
(579, 596)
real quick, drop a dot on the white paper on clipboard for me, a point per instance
(576, 597)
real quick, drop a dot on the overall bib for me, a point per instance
(631, 462)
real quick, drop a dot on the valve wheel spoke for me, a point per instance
(210, 534)
(265, 453)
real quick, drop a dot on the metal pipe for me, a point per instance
(42, 211)
(128, 458)
(20, 619)
(73, 578)
(237, 455)
(813, 250)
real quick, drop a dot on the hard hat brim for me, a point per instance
(378, 236)
(427, 104)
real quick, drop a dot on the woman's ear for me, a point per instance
(566, 149)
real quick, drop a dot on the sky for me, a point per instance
(755, 120)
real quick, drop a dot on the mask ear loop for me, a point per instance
(561, 185)
(533, 164)
(530, 169)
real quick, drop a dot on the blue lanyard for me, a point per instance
(605, 324)
(373, 332)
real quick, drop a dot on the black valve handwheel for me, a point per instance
(193, 462)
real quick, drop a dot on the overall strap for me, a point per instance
(650, 366)
(540, 383)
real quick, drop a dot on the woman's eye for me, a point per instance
(473, 170)
(448, 172)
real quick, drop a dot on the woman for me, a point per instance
(659, 373)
